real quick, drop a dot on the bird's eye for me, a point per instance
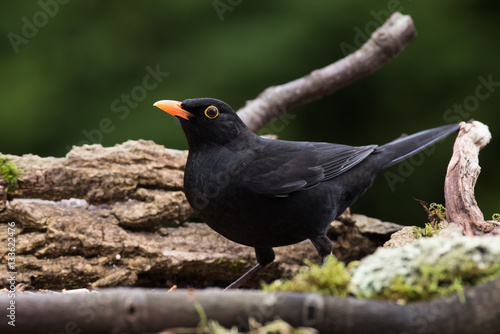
(211, 112)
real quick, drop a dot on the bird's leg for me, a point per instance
(245, 277)
(323, 245)
(264, 257)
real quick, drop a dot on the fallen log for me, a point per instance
(150, 311)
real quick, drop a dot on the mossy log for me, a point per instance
(112, 234)
(153, 311)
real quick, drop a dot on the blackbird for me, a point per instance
(267, 193)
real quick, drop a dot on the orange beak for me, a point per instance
(173, 108)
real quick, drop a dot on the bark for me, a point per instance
(117, 240)
(463, 171)
(145, 311)
(102, 175)
(71, 244)
(3, 195)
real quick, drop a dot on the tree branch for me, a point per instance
(384, 45)
(144, 311)
(463, 171)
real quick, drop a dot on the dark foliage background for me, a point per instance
(68, 66)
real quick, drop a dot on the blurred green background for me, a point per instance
(78, 72)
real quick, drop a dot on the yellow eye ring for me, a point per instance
(212, 112)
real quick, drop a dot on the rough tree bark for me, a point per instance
(108, 237)
(111, 237)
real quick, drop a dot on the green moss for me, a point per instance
(277, 326)
(434, 282)
(235, 264)
(429, 230)
(332, 279)
(438, 211)
(10, 173)
(437, 218)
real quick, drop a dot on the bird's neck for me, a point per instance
(234, 138)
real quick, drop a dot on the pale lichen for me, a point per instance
(429, 267)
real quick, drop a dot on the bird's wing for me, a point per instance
(337, 159)
(279, 170)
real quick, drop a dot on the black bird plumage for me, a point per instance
(267, 193)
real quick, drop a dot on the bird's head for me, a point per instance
(205, 121)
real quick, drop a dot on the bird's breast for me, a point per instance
(211, 178)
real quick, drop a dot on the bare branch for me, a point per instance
(461, 177)
(144, 311)
(384, 45)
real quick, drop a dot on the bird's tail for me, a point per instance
(405, 147)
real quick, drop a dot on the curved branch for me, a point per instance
(461, 176)
(144, 311)
(384, 45)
